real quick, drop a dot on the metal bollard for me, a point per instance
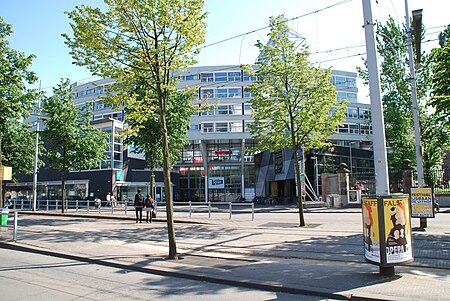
(76, 205)
(46, 205)
(125, 208)
(190, 209)
(209, 209)
(230, 208)
(16, 217)
(253, 211)
(87, 204)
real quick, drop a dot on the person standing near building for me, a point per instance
(138, 205)
(108, 199)
(150, 207)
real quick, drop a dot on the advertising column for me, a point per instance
(387, 230)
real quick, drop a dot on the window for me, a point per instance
(234, 76)
(99, 105)
(223, 110)
(208, 127)
(221, 93)
(222, 127)
(236, 126)
(220, 77)
(364, 114)
(206, 77)
(188, 77)
(248, 78)
(354, 129)
(207, 93)
(366, 129)
(234, 92)
(343, 128)
(352, 113)
(247, 109)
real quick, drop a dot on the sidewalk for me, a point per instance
(270, 253)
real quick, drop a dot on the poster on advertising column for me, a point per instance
(422, 202)
(397, 227)
(371, 230)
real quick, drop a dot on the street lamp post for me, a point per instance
(35, 171)
(316, 175)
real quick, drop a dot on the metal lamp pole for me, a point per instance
(35, 172)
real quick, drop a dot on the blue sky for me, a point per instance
(335, 35)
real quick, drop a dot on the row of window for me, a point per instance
(237, 76)
(97, 90)
(358, 113)
(229, 109)
(343, 81)
(224, 76)
(355, 128)
(225, 93)
(116, 116)
(221, 127)
(350, 97)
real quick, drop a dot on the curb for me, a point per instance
(171, 273)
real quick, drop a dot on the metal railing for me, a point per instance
(90, 206)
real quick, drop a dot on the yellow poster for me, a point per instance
(421, 202)
(397, 230)
(371, 230)
(5, 172)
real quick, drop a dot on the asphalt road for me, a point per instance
(30, 276)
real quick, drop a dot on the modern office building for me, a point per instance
(215, 164)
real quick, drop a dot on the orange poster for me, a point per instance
(371, 230)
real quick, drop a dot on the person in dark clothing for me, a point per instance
(138, 205)
(149, 207)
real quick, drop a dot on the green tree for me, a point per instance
(144, 128)
(294, 103)
(16, 101)
(142, 41)
(396, 91)
(444, 36)
(72, 142)
(440, 96)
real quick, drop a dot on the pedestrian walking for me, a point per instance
(149, 207)
(113, 200)
(138, 205)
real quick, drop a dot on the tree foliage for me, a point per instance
(144, 128)
(294, 103)
(72, 142)
(16, 102)
(440, 97)
(142, 41)
(396, 90)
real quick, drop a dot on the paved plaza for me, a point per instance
(264, 251)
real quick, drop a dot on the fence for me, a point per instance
(89, 206)
(438, 178)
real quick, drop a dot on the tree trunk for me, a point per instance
(167, 183)
(299, 192)
(152, 178)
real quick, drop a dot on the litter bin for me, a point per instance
(4, 212)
